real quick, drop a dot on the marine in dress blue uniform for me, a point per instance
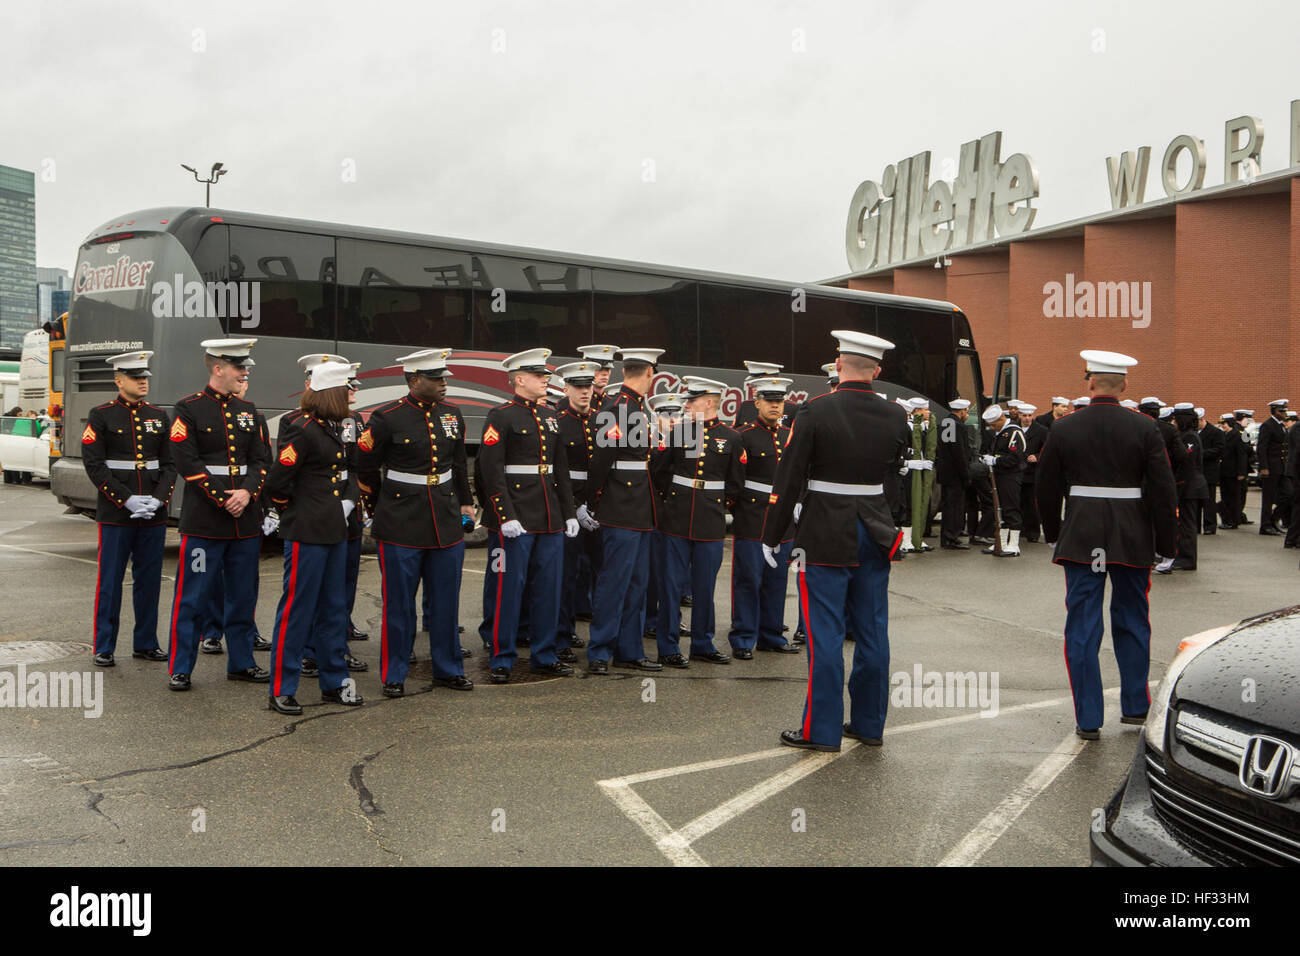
(666, 410)
(127, 456)
(1109, 465)
(314, 493)
(747, 414)
(757, 590)
(417, 504)
(219, 450)
(581, 553)
(841, 446)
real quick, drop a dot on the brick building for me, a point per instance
(1222, 323)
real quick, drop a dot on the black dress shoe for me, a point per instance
(954, 546)
(743, 654)
(523, 640)
(211, 645)
(800, 637)
(310, 668)
(178, 682)
(335, 696)
(394, 689)
(649, 634)
(1088, 734)
(285, 704)
(260, 643)
(978, 539)
(499, 675)
(794, 738)
(459, 682)
(598, 667)
(674, 660)
(354, 664)
(713, 657)
(558, 669)
(1270, 530)
(1138, 719)
(869, 741)
(899, 556)
(253, 675)
(151, 655)
(103, 660)
(790, 648)
(567, 654)
(356, 634)
(576, 641)
(644, 664)
(688, 600)
(466, 653)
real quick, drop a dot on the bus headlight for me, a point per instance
(1187, 651)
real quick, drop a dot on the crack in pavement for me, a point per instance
(983, 617)
(365, 797)
(61, 841)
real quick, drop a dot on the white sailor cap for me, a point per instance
(1200, 412)
(697, 386)
(1150, 400)
(309, 362)
(1014, 403)
(918, 403)
(1279, 403)
(771, 386)
(957, 404)
(992, 413)
(757, 369)
(330, 375)
(1129, 403)
(134, 364)
(1250, 413)
(1060, 400)
(432, 363)
(1240, 411)
(1108, 363)
(860, 343)
(1166, 411)
(234, 351)
(1293, 414)
(904, 403)
(578, 373)
(1184, 407)
(1227, 417)
(529, 360)
(665, 402)
(648, 356)
(1083, 401)
(602, 355)
(829, 369)
(1027, 409)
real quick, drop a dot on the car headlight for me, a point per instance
(1187, 651)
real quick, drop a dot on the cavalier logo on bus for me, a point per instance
(122, 276)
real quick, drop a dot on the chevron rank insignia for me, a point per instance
(491, 436)
(178, 430)
(287, 455)
(88, 436)
(367, 441)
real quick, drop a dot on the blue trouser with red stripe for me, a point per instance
(351, 568)
(1130, 633)
(618, 604)
(572, 599)
(757, 595)
(143, 545)
(528, 566)
(438, 571)
(653, 571)
(204, 561)
(689, 567)
(836, 598)
(313, 604)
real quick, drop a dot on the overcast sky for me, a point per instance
(718, 135)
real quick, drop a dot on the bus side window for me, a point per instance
(522, 304)
(635, 309)
(814, 345)
(738, 323)
(394, 294)
(295, 272)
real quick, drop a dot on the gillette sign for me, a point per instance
(905, 216)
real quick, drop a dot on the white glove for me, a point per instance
(988, 460)
(571, 527)
(905, 469)
(798, 510)
(926, 465)
(154, 504)
(270, 523)
(137, 504)
(729, 518)
(587, 519)
(348, 505)
(769, 556)
(914, 464)
(512, 529)
(370, 519)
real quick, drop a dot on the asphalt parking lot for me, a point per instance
(680, 767)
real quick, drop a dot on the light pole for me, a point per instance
(218, 170)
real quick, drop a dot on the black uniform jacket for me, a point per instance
(1046, 419)
(851, 437)
(1212, 441)
(524, 434)
(577, 437)
(1188, 478)
(622, 497)
(1268, 446)
(763, 449)
(133, 437)
(310, 480)
(1107, 445)
(1008, 449)
(1245, 451)
(214, 431)
(414, 437)
(1035, 438)
(351, 430)
(1293, 452)
(953, 458)
(1233, 463)
(716, 456)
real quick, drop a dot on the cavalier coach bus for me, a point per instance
(165, 279)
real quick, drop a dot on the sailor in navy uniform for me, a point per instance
(219, 450)
(747, 414)
(127, 456)
(1189, 480)
(1035, 435)
(582, 553)
(314, 493)
(1006, 460)
(841, 445)
(1110, 467)
(529, 508)
(1269, 451)
(621, 502)
(603, 357)
(952, 464)
(757, 590)
(419, 506)
(666, 409)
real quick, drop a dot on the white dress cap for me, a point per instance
(697, 386)
(330, 375)
(1083, 401)
(1200, 412)
(829, 369)
(649, 356)
(1151, 400)
(1166, 411)
(309, 362)
(860, 343)
(665, 402)
(992, 413)
(234, 351)
(529, 360)
(771, 386)
(1184, 407)
(135, 364)
(1129, 403)
(603, 355)
(761, 368)
(432, 362)
(578, 373)
(1108, 363)
(1279, 403)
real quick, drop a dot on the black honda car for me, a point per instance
(1216, 778)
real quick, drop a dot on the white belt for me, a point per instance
(410, 479)
(758, 486)
(835, 488)
(130, 465)
(577, 476)
(630, 466)
(227, 469)
(1101, 491)
(699, 484)
(528, 469)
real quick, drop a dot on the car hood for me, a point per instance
(1253, 673)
